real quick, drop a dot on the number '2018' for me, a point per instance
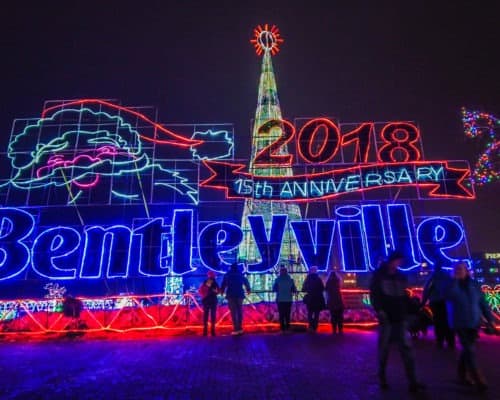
(319, 140)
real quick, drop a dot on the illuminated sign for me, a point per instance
(492, 256)
(98, 192)
(157, 248)
(485, 128)
(398, 163)
(105, 198)
(440, 180)
(96, 152)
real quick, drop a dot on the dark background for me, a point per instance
(193, 60)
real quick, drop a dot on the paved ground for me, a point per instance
(254, 366)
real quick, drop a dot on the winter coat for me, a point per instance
(284, 286)
(466, 304)
(334, 299)
(313, 286)
(208, 291)
(436, 287)
(233, 284)
(388, 293)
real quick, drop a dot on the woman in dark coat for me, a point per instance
(313, 299)
(334, 302)
(208, 291)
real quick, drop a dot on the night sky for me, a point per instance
(193, 61)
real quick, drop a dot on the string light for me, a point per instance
(486, 127)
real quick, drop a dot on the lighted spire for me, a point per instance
(266, 42)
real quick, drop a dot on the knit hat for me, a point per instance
(395, 255)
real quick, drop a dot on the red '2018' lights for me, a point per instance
(319, 140)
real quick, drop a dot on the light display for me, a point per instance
(104, 200)
(486, 128)
(157, 249)
(270, 134)
(95, 151)
(54, 291)
(492, 296)
(153, 313)
(266, 39)
(432, 178)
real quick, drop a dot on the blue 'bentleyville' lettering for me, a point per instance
(15, 226)
(315, 244)
(269, 245)
(156, 249)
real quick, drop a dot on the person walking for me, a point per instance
(313, 299)
(234, 285)
(389, 298)
(208, 291)
(334, 302)
(284, 287)
(466, 305)
(435, 291)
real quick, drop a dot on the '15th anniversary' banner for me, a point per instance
(438, 177)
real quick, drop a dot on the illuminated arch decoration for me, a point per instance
(485, 127)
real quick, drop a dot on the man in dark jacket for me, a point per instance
(435, 291)
(388, 292)
(466, 306)
(233, 285)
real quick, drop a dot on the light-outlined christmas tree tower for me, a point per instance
(266, 41)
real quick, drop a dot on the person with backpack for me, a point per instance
(284, 287)
(208, 291)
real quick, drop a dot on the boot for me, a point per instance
(382, 381)
(463, 378)
(415, 387)
(479, 380)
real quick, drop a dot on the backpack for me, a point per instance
(203, 290)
